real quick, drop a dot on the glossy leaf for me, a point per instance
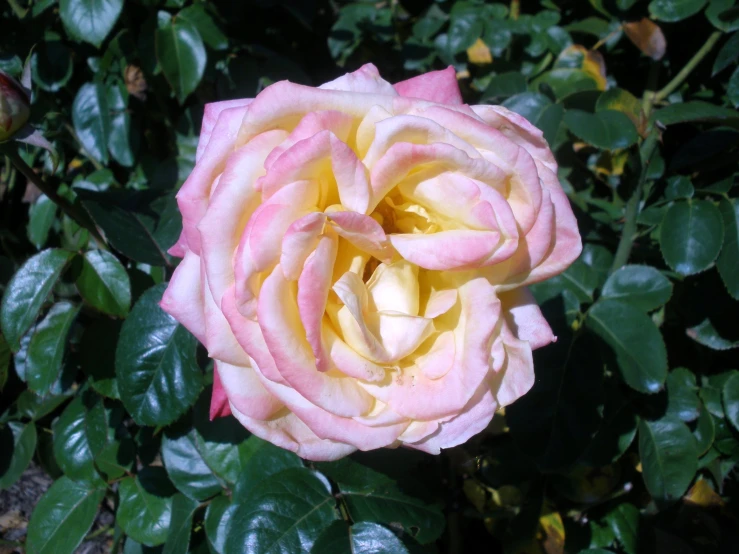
(528, 104)
(27, 291)
(682, 395)
(18, 442)
(728, 53)
(707, 335)
(360, 538)
(52, 65)
(45, 355)
(212, 35)
(731, 400)
(712, 390)
(186, 467)
(607, 129)
(183, 509)
(181, 54)
(636, 342)
(80, 434)
(158, 375)
(62, 517)
(145, 506)
(104, 283)
(675, 10)
(624, 521)
(641, 286)
(260, 461)
(728, 260)
(217, 519)
(284, 513)
(669, 457)
(691, 236)
(122, 140)
(704, 431)
(90, 20)
(41, 218)
(91, 118)
(695, 110)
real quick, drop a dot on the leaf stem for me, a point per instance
(689, 67)
(90, 157)
(67, 207)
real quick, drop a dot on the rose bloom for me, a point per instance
(14, 106)
(355, 261)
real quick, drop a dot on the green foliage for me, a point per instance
(628, 440)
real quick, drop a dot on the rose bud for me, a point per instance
(14, 106)
(356, 257)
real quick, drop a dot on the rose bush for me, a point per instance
(355, 260)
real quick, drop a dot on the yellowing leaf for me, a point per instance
(553, 541)
(701, 494)
(611, 163)
(591, 62)
(479, 53)
(475, 493)
(647, 37)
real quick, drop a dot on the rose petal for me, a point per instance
(525, 319)
(436, 86)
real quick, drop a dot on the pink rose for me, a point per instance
(355, 261)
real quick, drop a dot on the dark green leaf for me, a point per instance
(217, 519)
(505, 85)
(528, 104)
(41, 218)
(465, 26)
(712, 390)
(728, 53)
(728, 260)
(104, 284)
(732, 88)
(5, 357)
(639, 285)
(550, 122)
(62, 517)
(211, 34)
(28, 290)
(691, 236)
(90, 20)
(635, 340)
(624, 521)
(181, 54)
(45, 356)
(261, 460)
(186, 467)
(695, 110)
(180, 525)
(122, 140)
(679, 187)
(607, 129)
(704, 432)
(371, 496)
(565, 81)
(360, 538)
(718, 14)
(731, 400)
(91, 118)
(145, 506)
(707, 335)
(284, 513)
(97, 355)
(675, 10)
(18, 442)
(158, 375)
(52, 65)
(614, 437)
(669, 457)
(682, 395)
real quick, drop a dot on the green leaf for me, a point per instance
(51, 65)
(284, 513)
(505, 85)
(41, 218)
(565, 81)
(186, 467)
(669, 457)
(122, 140)
(90, 20)
(262, 460)
(675, 10)
(682, 395)
(731, 400)
(97, 355)
(728, 53)
(732, 88)
(712, 390)
(178, 541)
(181, 54)
(706, 334)
(691, 236)
(624, 521)
(91, 118)
(528, 104)
(145, 506)
(695, 110)
(104, 284)
(607, 129)
(5, 356)
(62, 517)
(217, 519)
(45, 356)
(465, 26)
(636, 341)
(18, 442)
(80, 434)
(614, 436)
(704, 431)
(134, 222)
(211, 34)
(371, 496)
(158, 374)
(360, 538)
(27, 292)
(641, 286)
(728, 260)
(716, 12)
